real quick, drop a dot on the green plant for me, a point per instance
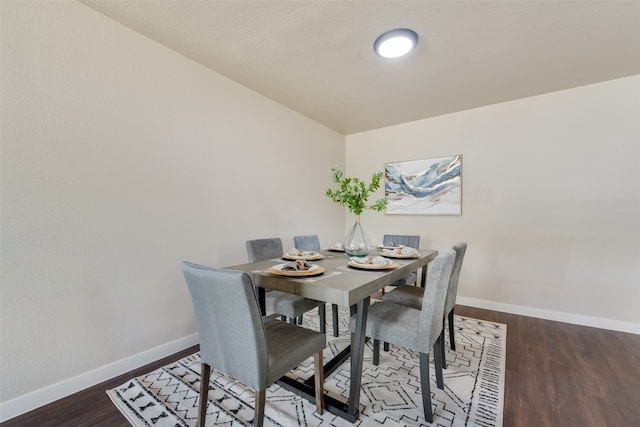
(354, 193)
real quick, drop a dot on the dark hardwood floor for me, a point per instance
(557, 374)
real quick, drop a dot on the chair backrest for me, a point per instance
(431, 317)
(232, 336)
(263, 249)
(399, 239)
(452, 292)
(309, 242)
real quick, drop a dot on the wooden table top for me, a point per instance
(339, 284)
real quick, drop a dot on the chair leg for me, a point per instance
(437, 355)
(205, 373)
(323, 318)
(386, 346)
(443, 349)
(334, 312)
(300, 320)
(376, 352)
(425, 386)
(292, 320)
(283, 318)
(452, 340)
(318, 368)
(258, 417)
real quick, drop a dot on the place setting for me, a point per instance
(299, 254)
(400, 252)
(390, 245)
(337, 247)
(376, 263)
(297, 268)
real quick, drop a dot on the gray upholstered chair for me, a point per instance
(308, 242)
(417, 330)
(406, 240)
(235, 341)
(411, 296)
(286, 305)
(311, 242)
(411, 279)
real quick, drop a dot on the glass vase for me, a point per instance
(356, 242)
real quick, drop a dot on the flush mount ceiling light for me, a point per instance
(395, 43)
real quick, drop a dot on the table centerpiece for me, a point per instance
(353, 193)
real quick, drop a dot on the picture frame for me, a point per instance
(424, 187)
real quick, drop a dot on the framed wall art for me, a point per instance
(424, 187)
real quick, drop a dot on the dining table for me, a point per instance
(342, 284)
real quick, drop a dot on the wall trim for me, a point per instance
(559, 316)
(30, 401)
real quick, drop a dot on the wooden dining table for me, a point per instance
(346, 286)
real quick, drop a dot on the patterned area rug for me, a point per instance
(472, 396)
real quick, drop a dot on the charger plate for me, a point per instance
(315, 270)
(392, 255)
(373, 266)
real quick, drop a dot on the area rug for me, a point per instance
(473, 387)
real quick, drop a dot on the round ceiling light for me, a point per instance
(395, 43)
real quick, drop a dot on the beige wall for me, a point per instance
(551, 199)
(121, 158)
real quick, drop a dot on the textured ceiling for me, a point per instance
(316, 57)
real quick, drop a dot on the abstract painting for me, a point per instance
(424, 187)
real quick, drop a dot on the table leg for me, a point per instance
(423, 276)
(357, 355)
(336, 404)
(261, 301)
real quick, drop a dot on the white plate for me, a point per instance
(373, 266)
(313, 271)
(390, 247)
(317, 255)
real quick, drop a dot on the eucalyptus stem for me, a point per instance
(353, 193)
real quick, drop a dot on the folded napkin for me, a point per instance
(338, 245)
(299, 252)
(406, 250)
(374, 260)
(298, 265)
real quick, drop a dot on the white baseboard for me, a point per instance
(28, 402)
(559, 316)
